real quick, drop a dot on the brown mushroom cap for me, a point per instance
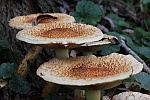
(131, 96)
(89, 70)
(21, 22)
(60, 33)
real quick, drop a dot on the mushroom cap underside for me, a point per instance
(104, 41)
(131, 96)
(60, 33)
(89, 70)
(21, 22)
(96, 45)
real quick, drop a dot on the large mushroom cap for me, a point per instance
(131, 96)
(21, 22)
(60, 33)
(90, 70)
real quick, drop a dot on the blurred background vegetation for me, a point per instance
(129, 20)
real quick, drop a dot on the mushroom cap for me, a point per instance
(21, 22)
(131, 96)
(90, 70)
(96, 45)
(61, 34)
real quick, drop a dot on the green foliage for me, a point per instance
(87, 12)
(118, 21)
(19, 85)
(144, 79)
(7, 69)
(141, 37)
(145, 1)
(145, 4)
(146, 23)
(113, 47)
(139, 42)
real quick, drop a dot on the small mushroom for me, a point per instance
(21, 22)
(90, 73)
(60, 36)
(89, 47)
(131, 96)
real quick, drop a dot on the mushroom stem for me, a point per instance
(52, 87)
(87, 53)
(92, 94)
(62, 53)
(79, 94)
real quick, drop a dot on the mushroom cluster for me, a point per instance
(88, 72)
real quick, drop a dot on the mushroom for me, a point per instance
(131, 96)
(21, 22)
(89, 47)
(60, 36)
(90, 73)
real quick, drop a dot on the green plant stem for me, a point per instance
(93, 95)
(79, 94)
(62, 53)
(87, 53)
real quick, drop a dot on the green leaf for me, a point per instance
(7, 69)
(144, 79)
(131, 79)
(130, 43)
(145, 1)
(142, 50)
(118, 21)
(87, 12)
(141, 37)
(19, 85)
(112, 48)
(146, 23)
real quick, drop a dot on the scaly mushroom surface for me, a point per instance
(90, 73)
(21, 22)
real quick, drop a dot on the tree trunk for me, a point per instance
(8, 10)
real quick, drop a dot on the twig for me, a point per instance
(127, 49)
(30, 56)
